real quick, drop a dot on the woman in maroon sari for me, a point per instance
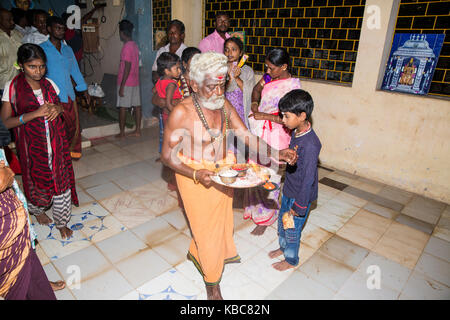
(21, 274)
(31, 106)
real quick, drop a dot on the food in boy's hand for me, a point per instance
(288, 221)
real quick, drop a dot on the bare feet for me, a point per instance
(282, 265)
(259, 230)
(120, 135)
(135, 134)
(65, 232)
(43, 219)
(57, 285)
(213, 292)
(275, 253)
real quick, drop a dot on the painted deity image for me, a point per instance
(412, 62)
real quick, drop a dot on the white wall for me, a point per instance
(190, 13)
(398, 139)
(110, 44)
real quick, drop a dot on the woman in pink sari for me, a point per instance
(262, 206)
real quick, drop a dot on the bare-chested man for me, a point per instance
(194, 146)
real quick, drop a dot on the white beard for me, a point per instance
(213, 103)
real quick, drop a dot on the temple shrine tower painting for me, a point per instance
(412, 62)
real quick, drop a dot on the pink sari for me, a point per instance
(276, 135)
(262, 206)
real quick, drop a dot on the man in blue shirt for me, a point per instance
(61, 66)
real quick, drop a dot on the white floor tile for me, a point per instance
(131, 182)
(94, 180)
(155, 231)
(356, 288)
(88, 261)
(420, 287)
(133, 295)
(109, 285)
(142, 267)
(176, 218)
(171, 285)
(344, 251)
(393, 275)
(327, 271)
(260, 270)
(191, 273)
(245, 249)
(301, 287)
(240, 287)
(174, 250)
(104, 191)
(438, 248)
(260, 241)
(53, 275)
(434, 268)
(121, 246)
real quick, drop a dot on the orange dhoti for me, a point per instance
(210, 215)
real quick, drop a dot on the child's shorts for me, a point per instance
(131, 97)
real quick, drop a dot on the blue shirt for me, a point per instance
(60, 67)
(301, 181)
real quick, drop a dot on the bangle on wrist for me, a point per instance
(195, 179)
(21, 119)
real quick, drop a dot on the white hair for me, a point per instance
(212, 63)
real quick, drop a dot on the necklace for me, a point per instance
(302, 133)
(219, 136)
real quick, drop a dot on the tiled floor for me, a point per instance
(364, 240)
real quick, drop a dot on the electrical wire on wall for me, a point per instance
(117, 24)
(91, 60)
